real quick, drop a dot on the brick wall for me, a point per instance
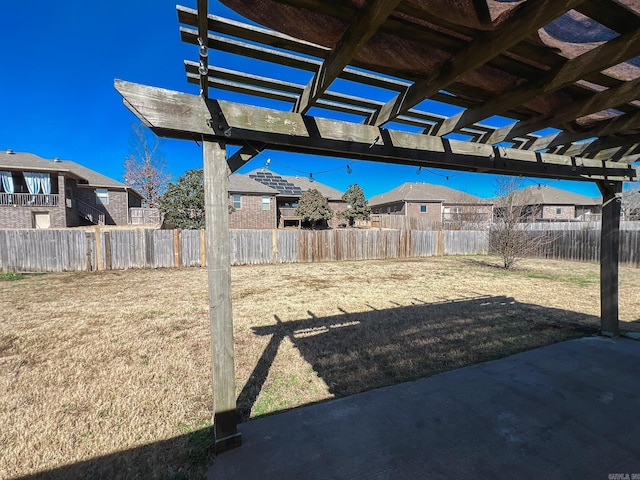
(433, 213)
(116, 211)
(549, 212)
(250, 215)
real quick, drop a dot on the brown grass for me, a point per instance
(109, 373)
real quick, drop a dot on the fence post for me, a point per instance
(98, 249)
(176, 248)
(107, 250)
(274, 245)
(440, 243)
(203, 251)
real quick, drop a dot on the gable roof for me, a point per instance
(424, 192)
(239, 183)
(293, 186)
(23, 161)
(546, 195)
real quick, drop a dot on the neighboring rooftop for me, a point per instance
(546, 195)
(292, 186)
(22, 161)
(424, 192)
(244, 184)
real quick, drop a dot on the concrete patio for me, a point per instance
(569, 410)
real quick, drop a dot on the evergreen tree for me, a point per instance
(314, 208)
(183, 202)
(357, 207)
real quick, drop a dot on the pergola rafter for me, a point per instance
(570, 65)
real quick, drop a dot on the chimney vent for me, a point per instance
(9, 151)
(56, 159)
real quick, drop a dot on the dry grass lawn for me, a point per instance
(107, 375)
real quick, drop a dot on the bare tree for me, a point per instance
(463, 211)
(631, 204)
(144, 167)
(511, 236)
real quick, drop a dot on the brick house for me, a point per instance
(264, 199)
(40, 193)
(548, 204)
(435, 203)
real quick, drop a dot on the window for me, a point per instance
(266, 202)
(237, 202)
(423, 209)
(558, 211)
(388, 209)
(102, 196)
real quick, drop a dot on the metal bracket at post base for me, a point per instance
(225, 431)
(227, 443)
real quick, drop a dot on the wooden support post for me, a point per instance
(226, 435)
(609, 251)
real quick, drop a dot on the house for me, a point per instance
(435, 203)
(264, 199)
(548, 204)
(40, 193)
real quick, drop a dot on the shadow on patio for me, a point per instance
(356, 352)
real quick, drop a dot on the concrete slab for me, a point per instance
(569, 410)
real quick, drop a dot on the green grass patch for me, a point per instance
(580, 280)
(9, 276)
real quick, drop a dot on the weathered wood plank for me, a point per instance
(609, 255)
(530, 16)
(600, 58)
(356, 35)
(219, 275)
(180, 115)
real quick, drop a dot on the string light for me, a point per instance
(349, 171)
(419, 170)
(311, 177)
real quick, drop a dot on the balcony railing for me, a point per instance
(288, 211)
(28, 200)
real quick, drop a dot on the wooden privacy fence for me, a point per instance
(78, 250)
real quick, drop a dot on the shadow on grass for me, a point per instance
(185, 457)
(356, 352)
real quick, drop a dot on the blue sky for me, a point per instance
(58, 61)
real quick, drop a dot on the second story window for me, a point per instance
(266, 202)
(423, 209)
(102, 196)
(237, 202)
(558, 211)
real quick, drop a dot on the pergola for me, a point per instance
(565, 72)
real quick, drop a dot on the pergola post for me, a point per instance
(226, 435)
(609, 251)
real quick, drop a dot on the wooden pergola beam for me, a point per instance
(356, 35)
(600, 58)
(605, 129)
(179, 115)
(530, 16)
(604, 100)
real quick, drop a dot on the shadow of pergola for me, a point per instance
(359, 351)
